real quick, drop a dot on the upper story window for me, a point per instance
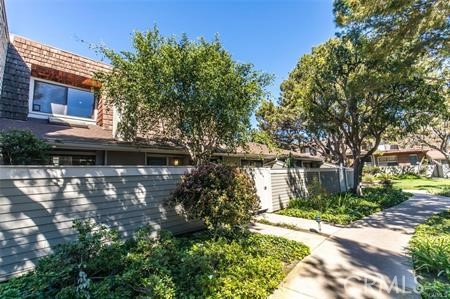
(59, 99)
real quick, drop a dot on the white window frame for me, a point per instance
(385, 160)
(43, 115)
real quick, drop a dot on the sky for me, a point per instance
(272, 35)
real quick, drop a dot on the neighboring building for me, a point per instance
(51, 92)
(414, 159)
(400, 157)
(393, 155)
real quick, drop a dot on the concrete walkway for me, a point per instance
(365, 260)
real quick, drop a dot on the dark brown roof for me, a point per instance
(43, 129)
(400, 151)
(96, 135)
(88, 134)
(255, 149)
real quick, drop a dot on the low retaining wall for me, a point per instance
(38, 205)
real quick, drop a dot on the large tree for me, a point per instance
(420, 26)
(284, 125)
(281, 126)
(435, 132)
(338, 90)
(191, 91)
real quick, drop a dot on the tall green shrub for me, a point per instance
(20, 147)
(222, 196)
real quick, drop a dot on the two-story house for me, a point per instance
(52, 92)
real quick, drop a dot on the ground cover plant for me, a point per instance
(438, 186)
(430, 251)
(202, 265)
(344, 208)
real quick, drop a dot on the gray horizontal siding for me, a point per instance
(286, 185)
(36, 214)
(291, 183)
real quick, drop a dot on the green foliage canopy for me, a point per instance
(184, 90)
(19, 147)
(421, 26)
(339, 89)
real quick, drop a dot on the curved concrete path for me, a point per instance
(365, 260)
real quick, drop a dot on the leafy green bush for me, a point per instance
(19, 147)
(100, 265)
(221, 196)
(372, 170)
(435, 290)
(368, 178)
(345, 208)
(407, 176)
(430, 251)
(432, 255)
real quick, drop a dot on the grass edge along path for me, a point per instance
(430, 252)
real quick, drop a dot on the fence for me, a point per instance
(276, 187)
(38, 205)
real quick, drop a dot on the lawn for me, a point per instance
(432, 185)
(430, 251)
(202, 265)
(344, 208)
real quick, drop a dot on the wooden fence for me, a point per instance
(38, 204)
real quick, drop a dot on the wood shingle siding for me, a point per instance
(26, 58)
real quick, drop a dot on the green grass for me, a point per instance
(201, 265)
(430, 251)
(344, 208)
(433, 185)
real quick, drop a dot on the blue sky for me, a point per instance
(270, 34)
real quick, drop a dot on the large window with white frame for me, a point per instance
(49, 98)
(387, 161)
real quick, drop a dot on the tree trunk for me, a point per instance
(357, 175)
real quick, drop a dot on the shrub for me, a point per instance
(435, 290)
(345, 208)
(221, 196)
(432, 255)
(430, 251)
(385, 179)
(99, 265)
(19, 147)
(372, 170)
(368, 178)
(407, 176)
